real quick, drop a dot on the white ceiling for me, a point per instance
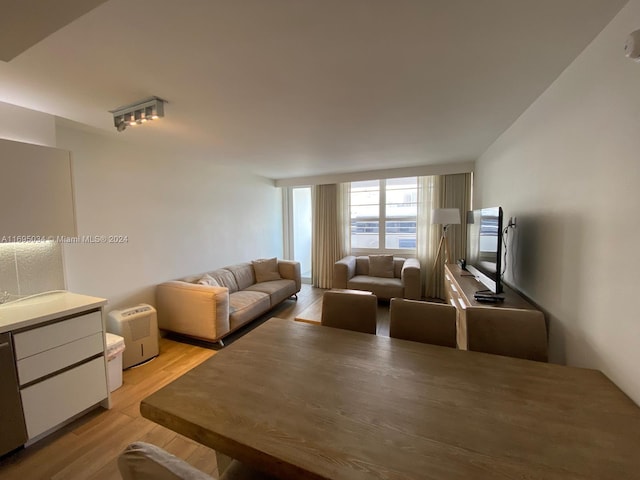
(290, 88)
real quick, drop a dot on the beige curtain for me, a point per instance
(457, 194)
(327, 234)
(426, 236)
(344, 218)
(450, 191)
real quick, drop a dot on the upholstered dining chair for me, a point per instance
(499, 331)
(144, 461)
(425, 322)
(350, 310)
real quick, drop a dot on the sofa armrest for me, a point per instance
(200, 311)
(411, 279)
(290, 270)
(343, 270)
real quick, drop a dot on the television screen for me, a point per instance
(484, 246)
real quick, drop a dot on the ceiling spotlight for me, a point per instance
(138, 113)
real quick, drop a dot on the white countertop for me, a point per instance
(45, 307)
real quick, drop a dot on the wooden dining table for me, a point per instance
(305, 401)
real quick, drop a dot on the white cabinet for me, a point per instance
(52, 401)
(60, 358)
(36, 340)
(36, 191)
(44, 350)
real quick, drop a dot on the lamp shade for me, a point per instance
(445, 216)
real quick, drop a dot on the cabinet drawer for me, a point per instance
(53, 335)
(47, 362)
(51, 402)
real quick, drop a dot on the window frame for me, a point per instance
(289, 226)
(382, 219)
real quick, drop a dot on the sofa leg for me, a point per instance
(221, 343)
(295, 295)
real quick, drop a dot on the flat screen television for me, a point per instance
(484, 246)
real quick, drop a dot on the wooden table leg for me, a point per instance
(223, 462)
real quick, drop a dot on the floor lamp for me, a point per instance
(444, 217)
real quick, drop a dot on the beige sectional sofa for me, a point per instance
(384, 275)
(209, 306)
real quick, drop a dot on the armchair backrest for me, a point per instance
(362, 265)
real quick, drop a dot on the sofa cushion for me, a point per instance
(383, 288)
(243, 273)
(207, 279)
(225, 278)
(278, 290)
(246, 305)
(362, 265)
(381, 266)
(266, 270)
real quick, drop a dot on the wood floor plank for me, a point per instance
(159, 436)
(62, 451)
(96, 454)
(181, 447)
(88, 447)
(107, 472)
(203, 458)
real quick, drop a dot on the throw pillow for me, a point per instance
(208, 280)
(381, 266)
(225, 278)
(266, 270)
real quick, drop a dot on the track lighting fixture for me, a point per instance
(138, 113)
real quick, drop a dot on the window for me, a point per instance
(297, 201)
(383, 215)
(302, 229)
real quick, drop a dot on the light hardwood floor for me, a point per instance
(87, 448)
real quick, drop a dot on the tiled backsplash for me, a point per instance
(29, 268)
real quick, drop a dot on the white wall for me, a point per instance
(28, 126)
(180, 216)
(569, 170)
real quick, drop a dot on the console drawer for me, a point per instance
(47, 362)
(32, 342)
(52, 401)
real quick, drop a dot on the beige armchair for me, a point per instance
(350, 310)
(383, 275)
(425, 322)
